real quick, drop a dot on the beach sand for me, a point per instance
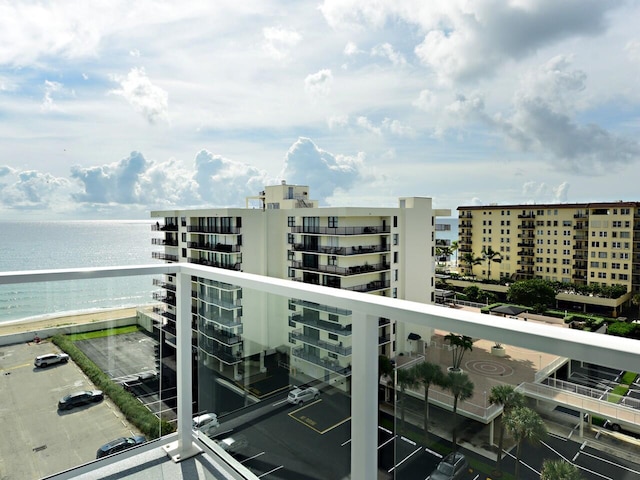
(11, 328)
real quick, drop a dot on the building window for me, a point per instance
(291, 255)
(394, 292)
(291, 221)
(184, 237)
(291, 238)
(395, 275)
(395, 257)
(395, 221)
(333, 222)
(395, 239)
(292, 272)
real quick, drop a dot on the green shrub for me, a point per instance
(131, 408)
(623, 329)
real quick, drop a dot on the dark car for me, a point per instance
(50, 359)
(453, 466)
(118, 445)
(80, 398)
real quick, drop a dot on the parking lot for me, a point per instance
(37, 440)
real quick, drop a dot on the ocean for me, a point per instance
(69, 244)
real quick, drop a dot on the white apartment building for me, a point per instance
(282, 233)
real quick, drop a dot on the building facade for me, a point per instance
(282, 233)
(585, 243)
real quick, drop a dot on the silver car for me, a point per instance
(301, 395)
(50, 359)
(452, 467)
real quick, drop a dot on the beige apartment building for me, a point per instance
(582, 243)
(283, 233)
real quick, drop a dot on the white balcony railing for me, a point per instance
(366, 312)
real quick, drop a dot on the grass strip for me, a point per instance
(107, 332)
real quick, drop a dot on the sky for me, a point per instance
(111, 109)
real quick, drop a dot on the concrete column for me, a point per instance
(491, 429)
(582, 423)
(184, 448)
(364, 397)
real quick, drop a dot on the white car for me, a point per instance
(206, 423)
(50, 359)
(233, 444)
(301, 395)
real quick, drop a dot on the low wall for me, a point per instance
(27, 337)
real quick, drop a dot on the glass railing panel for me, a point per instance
(81, 370)
(279, 390)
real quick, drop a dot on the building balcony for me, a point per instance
(209, 229)
(525, 262)
(527, 215)
(370, 286)
(581, 215)
(527, 226)
(164, 228)
(330, 327)
(167, 242)
(221, 355)
(236, 391)
(169, 299)
(222, 336)
(217, 247)
(368, 230)
(525, 244)
(526, 253)
(343, 271)
(166, 285)
(342, 251)
(210, 263)
(298, 336)
(465, 224)
(578, 276)
(320, 307)
(326, 362)
(164, 256)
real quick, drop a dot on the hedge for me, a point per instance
(134, 411)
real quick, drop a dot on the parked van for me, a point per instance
(206, 423)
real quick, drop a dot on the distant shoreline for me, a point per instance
(33, 324)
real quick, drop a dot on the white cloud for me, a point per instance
(307, 164)
(534, 192)
(29, 189)
(366, 124)
(319, 84)
(145, 97)
(278, 42)
(386, 50)
(50, 88)
(633, 50)
(541, 122)
(426, 100)
(351, 49)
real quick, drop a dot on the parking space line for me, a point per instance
(271, 471)
(404, 459)
(525, 464)
(611, 463)
(16, 367)
(387, 442)
(335, 426)
(251, 458)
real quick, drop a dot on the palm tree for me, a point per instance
(385, 369)
(406, 379)
(506, 396)
(428, 374)
(524, 424)
(461, 387)
(460, 344)
(470, 260)
(454, 249)
(490, 255)
(559, 470)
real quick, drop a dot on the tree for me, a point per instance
(524, 424)
(472, 292)
(636, 301)
(534, 292)
(506, 396)
(385, 369)
(460, 344)
(490, 255)
(406, 379)
(461, 387)
(428, 374)
(454, 249)
(443, 252)
(559, 470)
(470, 260)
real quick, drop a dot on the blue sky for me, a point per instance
(112, 109)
